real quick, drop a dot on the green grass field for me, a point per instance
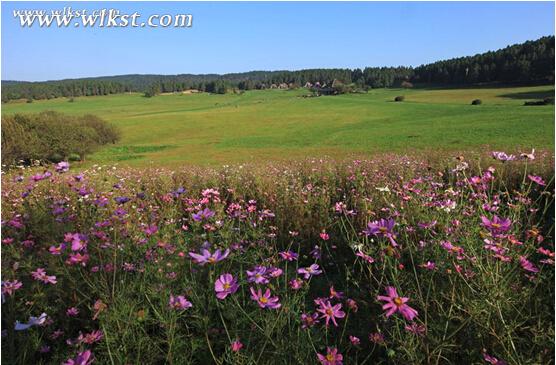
(274, 124)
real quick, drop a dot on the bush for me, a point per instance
(74, 157)
(549, 101)
(476, 102)
(51, 136)
(399, 98)
(71, 100)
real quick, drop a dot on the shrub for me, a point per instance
(74, 157)
(549, 100)
(399, 98)
(51, 136)
(71, 100)
(476, 102)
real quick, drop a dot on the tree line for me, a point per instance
(529, 62)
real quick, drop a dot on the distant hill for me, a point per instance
(529, 62)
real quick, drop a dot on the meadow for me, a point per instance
(206, 236)
(205, 129)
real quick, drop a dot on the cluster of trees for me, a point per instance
(531, 61)
(53, 137)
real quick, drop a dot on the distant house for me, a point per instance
(308, 85)
(273, 86)
(283, 86)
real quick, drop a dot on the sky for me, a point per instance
(237, 37)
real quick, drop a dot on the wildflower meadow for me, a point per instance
(391, 260)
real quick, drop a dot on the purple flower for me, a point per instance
(497, 225)
(309, 320)
(382, 228)
(40, 275)
(265, 300)
(208, 258)
(309, 271)
(203, 214)
(179, 302)
(537, 180)
(257, 275)
(226, 284)
(527, 265)
(9, 287)
(72, 312)
(121, 199)
(502, 156)
(289, 255)
(62, 167)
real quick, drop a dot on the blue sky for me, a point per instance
(236, 37)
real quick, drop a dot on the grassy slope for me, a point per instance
(263, 125)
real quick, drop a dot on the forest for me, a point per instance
(527, 63)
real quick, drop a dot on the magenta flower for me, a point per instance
(78, 259)
(354, 340)
(40, 275)
(527, 265)
(72, 312)
(236, 346)
(537, 180)
(330, 312)
(332, 357)
(309, 271)
(497, 225)
(265, 301)
(9, 287)
(257, 275)
(492, 360)
(83, 358)
(296, 284)
(179, 302)
(417, 329)
(289, 255)
(382, 228)
(57, 250)
(208, 258)
(226, 284)
(429, 265)
(309, 320)
(365, 257)
(395, 303)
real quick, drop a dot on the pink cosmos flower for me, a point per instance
(309, 271)
(72, 312)
(492, 360)
(40, 275)
(257, 275)
(395, 303)
(502, 156)
(527, 265)
(537, 180)
(417, 329)
(382, 228)
(226, 284)
(236, 346)
(62, 167)
(332, 357)
(83, 358)
(208, 258)
(289, 255)
(296, 284)
(354, 340)
(365, 257)
(179, 302)
(335, 294)
(429, 265)
(330, 312)
(78, 259)
(57, 250)
(309, 320)
(376, 337)
(497, 225)
(9, 287)
(352, 304)
(266, 300)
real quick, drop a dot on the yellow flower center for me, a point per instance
(398, 301)
(263, 300)
(495, 225)
(329, 312)
(211, 260)
(226, 286)
(330, 357)
(383, 229)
